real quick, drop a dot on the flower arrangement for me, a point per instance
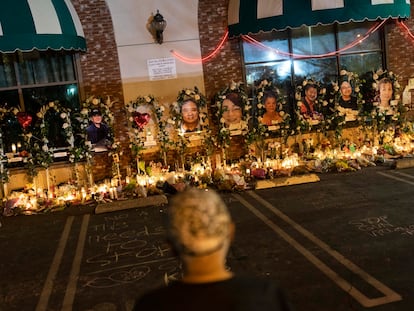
(81, 120)
(200, 100)
(339, 116)
(163, 136)
(316, 121)
(224, 131)
(376, 117)
(282, 128)
(138, 120)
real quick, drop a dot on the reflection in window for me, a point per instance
(29, 80)
(313, 40)
(309, 41)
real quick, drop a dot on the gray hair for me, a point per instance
(198, 222)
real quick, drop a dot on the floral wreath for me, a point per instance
(137, 122)
(337, 119)
(268, 86)
(375, 114)
(303, 124)
(224, 132)
(184, 95)
(175, 118)
(83, 149)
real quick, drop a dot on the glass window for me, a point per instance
(273, 46)
(29, 80)
(348, 33)
(313, 40)
(7, 73)
(312, 43)
(362, 62)
(323, 70)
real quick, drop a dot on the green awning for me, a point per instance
(27, 25)
(254, 16)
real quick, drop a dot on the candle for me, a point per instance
(13, 146)
(111, 193)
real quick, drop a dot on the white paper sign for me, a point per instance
(162, 68)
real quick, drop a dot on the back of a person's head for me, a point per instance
(198, 222)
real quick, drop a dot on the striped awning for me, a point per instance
(254, 16)
(27, 25)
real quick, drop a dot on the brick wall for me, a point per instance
(400, 49)
(100, 72)
(226, 66)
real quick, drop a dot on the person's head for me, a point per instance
(96, 116)
(270, 101)
(346, 89)
(311, 91)
(199, 223)
(232, 110)
(385, 89)
(190, 113)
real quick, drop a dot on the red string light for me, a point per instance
(373, 29)
(189, 60)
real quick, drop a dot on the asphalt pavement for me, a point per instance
(343, 243)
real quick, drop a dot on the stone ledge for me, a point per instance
(286, 181)
(404, 163)
(114, 206)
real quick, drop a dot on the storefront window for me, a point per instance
(30, 80)
(309, 52)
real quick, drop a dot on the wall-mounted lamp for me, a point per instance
(158, 25)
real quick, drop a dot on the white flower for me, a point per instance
(162, 109)
(343, 72)
(147, 99)
(63, 115)
(299, 104)
(375, 76)
(282, 113)
(357, 89)
(95, 101)
(336, 88)
(84, 111)
(65, 125)
(45, 148)
(222, 120)
(397, 97)
(260, 106)
(374, 85)
(15, 110)
(188, 92)
(197, 97)
(325, 103)
(51, 104)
